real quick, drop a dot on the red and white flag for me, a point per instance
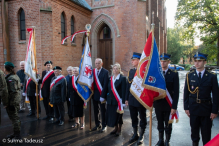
(73, 36)
(30, 61)
(170, 101)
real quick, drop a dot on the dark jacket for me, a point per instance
(67, 80)
(172, 85)
(103, 78)
(75, 99)
(120, 86)
(129, 97)
(208, 85)
(31, 89)
(58, 92)
(45, 91)
(21, 75)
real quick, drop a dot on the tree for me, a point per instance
(204, 16)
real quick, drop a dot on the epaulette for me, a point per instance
(173, 70)
(211, 72)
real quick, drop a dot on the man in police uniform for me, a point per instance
(134, 106)
(162, 108)
(199, 105)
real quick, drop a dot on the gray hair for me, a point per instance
(117, 65)
(99, 60)
(22, 62)
(70, 68)
(76, 68)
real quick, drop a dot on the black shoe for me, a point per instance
(96, 128)
(51, 119)
(161, 141)
(195, 144)
(61, 123)
(31, 115)
(134, 136)
(167, 141)
(11, 136)
(45, 118)
(21, 111)
(103, 129)
(56, 122)
(141, 137)
(114, 131)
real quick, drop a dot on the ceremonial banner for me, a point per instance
(30, 61)
(170, 101)
(214, 141)
(85, 79)
(149, 83)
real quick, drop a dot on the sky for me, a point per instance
(171, 6)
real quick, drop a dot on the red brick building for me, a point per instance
(119, 27)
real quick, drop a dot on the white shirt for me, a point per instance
(117, 78)
(202, 73)
(99, 71)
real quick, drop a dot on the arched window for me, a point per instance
(72, 25)
(22, 25)
(62, 25)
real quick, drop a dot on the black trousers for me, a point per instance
(201, 122)
(97, 107)
(134, 116)
(48, 108)
(163, 119)
(59, 110)
(33, 104)
(68, 105)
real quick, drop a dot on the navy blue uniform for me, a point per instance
(162, 108)
(134, 106)
(201, 103)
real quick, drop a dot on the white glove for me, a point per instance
(69, 99)
(35, 94)
(23, 94)
(124, 105)
(37, 80)
(101, 99)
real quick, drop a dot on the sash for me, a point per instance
(26, 98)
(99, 86)
(118, 99)
(44, 79)
(76, 89)
(170, 101)
(56, 81)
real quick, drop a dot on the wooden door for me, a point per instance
(105, 53)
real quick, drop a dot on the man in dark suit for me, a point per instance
(134, 106)
(47, 76)
(100, 93)
(58, 95)
(70, 74)
(162, 107)
(29, 90)
(199, 105)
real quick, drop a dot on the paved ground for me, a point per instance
(51, 134)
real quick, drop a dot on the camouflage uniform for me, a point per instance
(14, 97)
(3, 91)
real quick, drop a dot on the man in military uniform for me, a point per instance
(162, 107)
(199, 105)
(134, 106)
(14, 97)
(3, 91)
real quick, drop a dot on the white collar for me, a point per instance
(117, 78)
(166, 70)
(202, 72)
(99, 69)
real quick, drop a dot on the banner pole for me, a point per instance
(150, 128)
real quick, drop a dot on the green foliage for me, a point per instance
(204, 16)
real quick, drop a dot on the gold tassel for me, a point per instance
(50, 104)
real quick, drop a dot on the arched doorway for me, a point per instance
(104, 47)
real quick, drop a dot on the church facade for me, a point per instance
(119, 28)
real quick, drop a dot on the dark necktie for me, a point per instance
(164, 73)
(199, 76)
(98, 73)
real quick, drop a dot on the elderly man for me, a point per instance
(70, 74)
(21, 75)
(58, 93)
(101, 77)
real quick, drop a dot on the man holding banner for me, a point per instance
(164, 108)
